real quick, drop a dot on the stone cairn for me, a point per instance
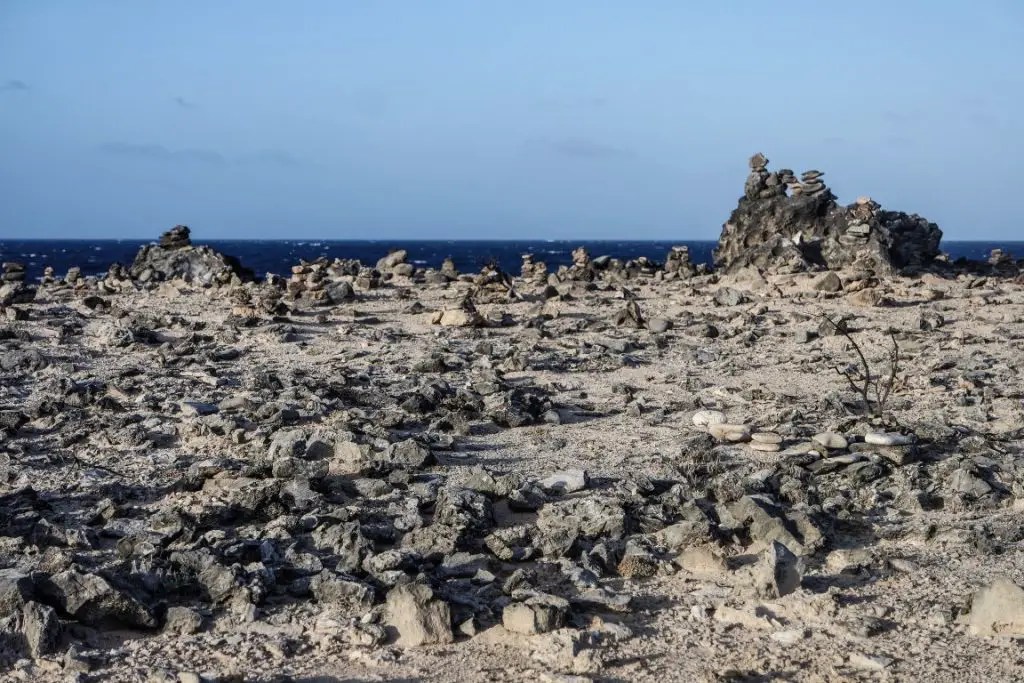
(864, 212)
(177, 237)
(534, 272)
(13, 272)
(308, 281)
(13, 289)
(678, 262)
(764, 184)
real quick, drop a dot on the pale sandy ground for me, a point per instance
(682, 626)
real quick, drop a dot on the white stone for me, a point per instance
(703, 418)
(889, 439)
(766, 437)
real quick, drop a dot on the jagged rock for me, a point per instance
(177, 258)
(15, 590)
(419, 616)
(808, 228)
(536, 614)
(41, 628)
(778, 572)
(92, 599)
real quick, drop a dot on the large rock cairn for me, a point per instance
(787, 224)
(175, 257)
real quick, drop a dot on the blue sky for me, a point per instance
(476, 118)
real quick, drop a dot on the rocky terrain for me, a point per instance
(615, 471)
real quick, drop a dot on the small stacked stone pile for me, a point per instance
(344, 268)
(74, 276)
(49, 275)
(116, 279)
(492, 285)
(535, 272)
(761, 183)
(859, 230)
(810, 184)
(13, 272)
(13, 289)
(678, 262)
(177, 237)
(309, 281)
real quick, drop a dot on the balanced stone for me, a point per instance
(758, 162)
(765, 447)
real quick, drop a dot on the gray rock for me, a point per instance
(569, 481)
(829, 282)
(92, 599)
(727, 296)
(409, 454)
(183, 620)
(340, 292)
(15, 590)
(41, 628)
(419, 617)
(537, 614)
(778, 573)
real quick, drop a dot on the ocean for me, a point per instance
(278, 256)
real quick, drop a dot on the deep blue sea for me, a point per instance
(277, 256)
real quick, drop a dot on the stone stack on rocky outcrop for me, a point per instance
(175, 257)
(789, 225)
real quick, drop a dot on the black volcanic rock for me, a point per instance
(176, 257)
(782, 222)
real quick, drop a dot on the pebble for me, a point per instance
(765, 447)
(703, 418)
(869, 662)
(830, 440)
(766, 437)
(889, 439)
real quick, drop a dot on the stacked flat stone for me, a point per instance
(49, 275)
(580, 257)
(859, 230)
(13, 272)
(678, 262)
(811, 183)
(73, 276)
(177, 237)
(13, 289)
(533, 271)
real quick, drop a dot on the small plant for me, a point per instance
(873, 389)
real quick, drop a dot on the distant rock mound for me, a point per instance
(175, 257)
(785, 223)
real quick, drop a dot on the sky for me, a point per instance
(534, 119)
